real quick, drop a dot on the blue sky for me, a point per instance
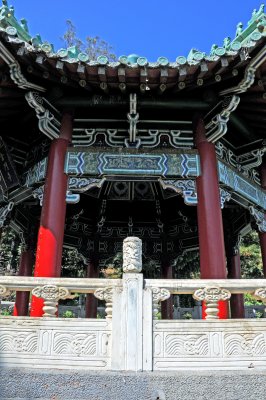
(148, 28)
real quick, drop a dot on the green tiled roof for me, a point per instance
(245, 37)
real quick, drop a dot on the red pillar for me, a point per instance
(234, 272)
(167, 305)
(91, 301)
(210, 224)
(25, 269)
(51, 231)
(262, 235)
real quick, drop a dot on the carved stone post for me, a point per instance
(51, 295)
(127, 323)
(212, 295)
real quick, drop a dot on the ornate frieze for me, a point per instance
(155, 164)
(88, 342)
(37, 173)
(239, 184)
(148, 138)
(244, 163)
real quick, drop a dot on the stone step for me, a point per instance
(51, 384)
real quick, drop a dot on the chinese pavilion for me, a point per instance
(95, 151)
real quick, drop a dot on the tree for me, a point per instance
(94, 46)
(250, 254)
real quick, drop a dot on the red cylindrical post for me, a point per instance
(262, 235)
(234, 272)
(210, 224)
(167, 305)
(25, 269)
(51, 231)
(91, 301)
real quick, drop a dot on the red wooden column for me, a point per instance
(91, 301)
(51, 231)
(167, 273)
(25, 269)
(262, 235)
(234, 272)
(210, 224)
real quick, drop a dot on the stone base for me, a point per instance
(43, 384)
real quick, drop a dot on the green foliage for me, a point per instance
(94, 46)
(250, 255)
(187, 265)
(73, 264)
(68, 314)
(6, 312)
(187, 315)
(250, 300)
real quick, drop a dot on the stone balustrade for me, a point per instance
(131, 338)
(210, 291)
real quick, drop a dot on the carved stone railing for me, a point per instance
(51, 290)
(132, 338)
(210, 291)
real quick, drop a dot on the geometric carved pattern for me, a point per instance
(243, 187)
(243, 344)
(128, 163)
(56, 343)
(178, 345)
(227, 344)
(13, 342)
(75, 344)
